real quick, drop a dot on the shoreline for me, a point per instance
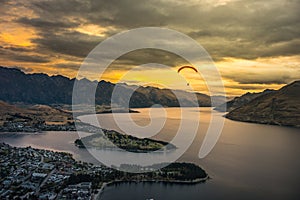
(191, 182)
(105, 184)
(261, 122)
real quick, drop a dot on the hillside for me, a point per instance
(240, 101)
(281, 107)
(16, 86)
(31, 118)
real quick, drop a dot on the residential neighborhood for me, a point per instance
(29, 173)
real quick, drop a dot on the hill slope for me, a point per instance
(240, 101)
(281, 107)
(31, 118)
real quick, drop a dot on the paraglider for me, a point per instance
(187, 67)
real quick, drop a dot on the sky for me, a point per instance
(253, 43)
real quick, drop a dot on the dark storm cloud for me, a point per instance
(125, 13)
(46, 24)
(240, 29)
(22, 56)
(144, 56)
(69, 43)
(263, 78)
(250, 29)
(32, 58)
(14, 48)
(247, 87)
(243, 29)
(287, 48)
(275, 80)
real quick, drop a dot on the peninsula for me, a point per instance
(37, 118)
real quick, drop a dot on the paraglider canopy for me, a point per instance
(187, 67)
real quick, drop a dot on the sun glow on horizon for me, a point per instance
(49, 37)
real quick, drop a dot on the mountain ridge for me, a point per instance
(39, 88)
(280, 107)
(240, 101)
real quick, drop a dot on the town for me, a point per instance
(30, 173)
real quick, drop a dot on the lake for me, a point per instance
(249, 161)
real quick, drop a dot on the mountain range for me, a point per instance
(240, 101)
(17, 86)
(279, 107)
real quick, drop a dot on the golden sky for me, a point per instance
(254, 44)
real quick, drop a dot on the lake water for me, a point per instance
(250, 161)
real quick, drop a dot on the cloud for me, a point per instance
(70, 43)
(32, 58)
(247, 87)
(270, 78)
(125, 13)
(15, 48)
(267, 71)
(68, 65)
(144, 56)
(18, 56)
(240, 29)
(46, 24)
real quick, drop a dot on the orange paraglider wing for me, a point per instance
(188, 67)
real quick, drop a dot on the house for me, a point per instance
(38, 176)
